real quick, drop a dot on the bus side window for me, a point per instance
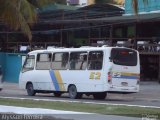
(43, 61)
(84, 62)
(95, 60)
(60, 61)
(78, 61)
(29, 63)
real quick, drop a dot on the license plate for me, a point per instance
(124, 83)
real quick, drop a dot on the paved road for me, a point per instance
(149, 95)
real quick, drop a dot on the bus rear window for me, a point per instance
(124, 57)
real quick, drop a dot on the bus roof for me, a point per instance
(73, 49)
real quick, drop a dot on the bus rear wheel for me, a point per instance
(100, 96)
(30, 89)
(73, 92)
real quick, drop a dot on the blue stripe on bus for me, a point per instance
(54, 80)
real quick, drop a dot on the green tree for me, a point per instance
(20, 14)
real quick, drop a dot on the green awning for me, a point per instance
(55, 7)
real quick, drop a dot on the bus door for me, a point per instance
(125, 67)
(41, 74)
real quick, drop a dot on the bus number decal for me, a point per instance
(98, 76)
(92, 75)
(95, 75)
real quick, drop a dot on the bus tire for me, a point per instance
(57, 94)
(100, 96)
(30, 89)
(73, 94)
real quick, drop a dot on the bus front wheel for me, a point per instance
(73, 92)
(30, 89)
(100, 96)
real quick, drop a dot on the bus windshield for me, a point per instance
(124, 57)
(29, 63)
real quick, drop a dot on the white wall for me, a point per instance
(81, 2)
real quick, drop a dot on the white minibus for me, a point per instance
(87, 70)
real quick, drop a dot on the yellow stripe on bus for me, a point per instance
(130, 74)
(60, 81)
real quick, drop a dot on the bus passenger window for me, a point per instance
(60, 61)
(78, 61)
(43, 61)
(95, 60)
(29, 63)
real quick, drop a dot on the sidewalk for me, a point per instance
(56, 114)
(24, 110)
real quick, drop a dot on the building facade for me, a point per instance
(84, 26)
(147, 32)
(149, 6)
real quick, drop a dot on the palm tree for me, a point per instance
(20, 14)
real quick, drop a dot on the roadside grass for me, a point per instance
(84, 107)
